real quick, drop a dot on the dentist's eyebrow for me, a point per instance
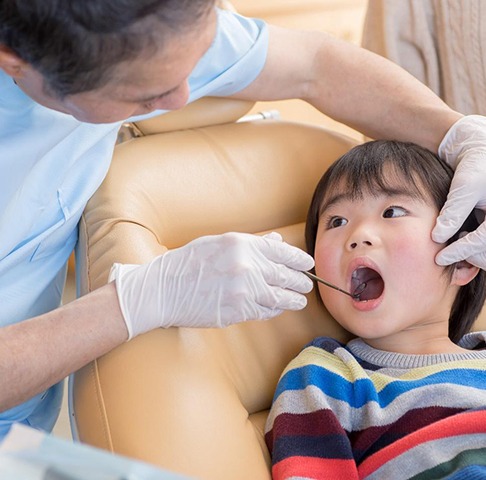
(154, 97)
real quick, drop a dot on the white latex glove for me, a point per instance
(464, 149)
(214, 281)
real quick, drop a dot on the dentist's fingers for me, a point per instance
(280, 252)
(470, 248)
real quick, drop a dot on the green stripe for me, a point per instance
(460, 461)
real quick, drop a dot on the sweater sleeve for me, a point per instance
(304, 436)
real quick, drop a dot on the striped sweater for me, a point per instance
(350, 411)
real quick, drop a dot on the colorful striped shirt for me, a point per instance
(351, 411)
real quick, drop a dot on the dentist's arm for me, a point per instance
(351, 85)
(41, 351)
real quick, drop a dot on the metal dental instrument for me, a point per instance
(359, 290)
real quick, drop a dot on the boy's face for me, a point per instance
(384, 240)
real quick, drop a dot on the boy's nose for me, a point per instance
(364, 235)
(365, 243)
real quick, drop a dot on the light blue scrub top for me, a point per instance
(51, 164)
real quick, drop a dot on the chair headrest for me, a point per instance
(204, 112)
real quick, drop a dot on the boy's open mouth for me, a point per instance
(373, 281)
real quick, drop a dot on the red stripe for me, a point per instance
(370, 440)
(461, 424)
(315, 468)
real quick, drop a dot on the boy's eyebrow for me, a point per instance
(350, 196)
(340, 197)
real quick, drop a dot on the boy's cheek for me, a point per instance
(413, 257)
(327, 267)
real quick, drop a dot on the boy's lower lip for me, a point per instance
(367, 305)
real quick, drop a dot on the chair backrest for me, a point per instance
(195, 401)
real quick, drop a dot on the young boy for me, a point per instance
(407, 397)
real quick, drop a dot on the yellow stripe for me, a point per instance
(316, 356)
(381, 381)
(352, 371)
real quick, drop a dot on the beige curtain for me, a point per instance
(441, 42)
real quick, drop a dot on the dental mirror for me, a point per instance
(358, 291)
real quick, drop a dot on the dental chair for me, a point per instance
(195, 401)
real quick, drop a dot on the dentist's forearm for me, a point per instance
(378, 98)
(351, 85)
(39, 352)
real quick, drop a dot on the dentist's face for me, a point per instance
(158, 82)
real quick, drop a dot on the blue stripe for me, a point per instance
(470, 472)
(362, 390)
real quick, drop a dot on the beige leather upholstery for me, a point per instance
(195, 400)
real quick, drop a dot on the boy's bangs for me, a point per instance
(388, 168)
(355, 179)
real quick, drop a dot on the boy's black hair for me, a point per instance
(75, 44)
(362, 170)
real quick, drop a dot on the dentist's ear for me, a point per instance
(11, 63)
(464, 272)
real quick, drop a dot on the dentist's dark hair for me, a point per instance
(365, 169)
(75, 44)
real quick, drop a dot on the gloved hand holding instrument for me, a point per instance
(214, 281)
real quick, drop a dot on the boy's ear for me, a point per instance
(11, 63)
(464, 272)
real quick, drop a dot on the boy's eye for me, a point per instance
(394, 212)
(335, 222)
